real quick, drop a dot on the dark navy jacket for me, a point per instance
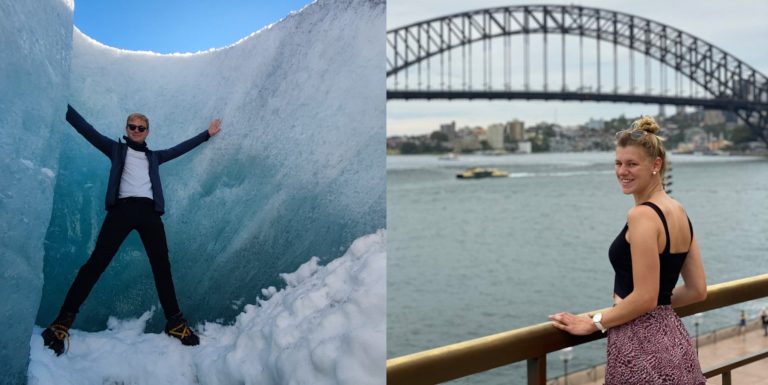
(117, 150)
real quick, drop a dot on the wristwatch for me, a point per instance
(596, 320)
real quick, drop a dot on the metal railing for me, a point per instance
(532, 343)
(726, 368)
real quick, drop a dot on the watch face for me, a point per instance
(596, 320)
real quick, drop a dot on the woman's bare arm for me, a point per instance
(694, 288)
(644, 230)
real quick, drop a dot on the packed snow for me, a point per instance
(327, 326)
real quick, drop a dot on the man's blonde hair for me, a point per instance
(139, 116)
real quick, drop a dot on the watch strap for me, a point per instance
(596, 320)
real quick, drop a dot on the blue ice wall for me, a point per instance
(298, 169)
(35, 41)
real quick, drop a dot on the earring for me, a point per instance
(654, 173)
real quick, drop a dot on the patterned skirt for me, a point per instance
(653, 349)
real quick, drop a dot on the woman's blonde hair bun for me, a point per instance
(646, 123)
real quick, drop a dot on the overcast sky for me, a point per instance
(738, 27)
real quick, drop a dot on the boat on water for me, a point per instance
(480, 172)
(449, 156)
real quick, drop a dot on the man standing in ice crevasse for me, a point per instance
(134, 201)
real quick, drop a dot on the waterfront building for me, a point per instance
(495, 135)
(449, 129)
(524, 147)
(515, 131)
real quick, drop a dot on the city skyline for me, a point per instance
(740, 36)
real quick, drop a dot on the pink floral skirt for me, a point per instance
(653, 349)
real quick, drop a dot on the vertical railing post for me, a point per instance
(727, 378)
(537, 370)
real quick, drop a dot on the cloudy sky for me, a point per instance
(740, 27)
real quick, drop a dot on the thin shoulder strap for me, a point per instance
(663, 221)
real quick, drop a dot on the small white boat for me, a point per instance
(449, 156)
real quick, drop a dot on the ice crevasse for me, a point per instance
(297, 171)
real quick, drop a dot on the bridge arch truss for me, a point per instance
(727, 82)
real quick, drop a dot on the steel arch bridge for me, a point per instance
(725, 82)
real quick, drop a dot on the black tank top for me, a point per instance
(620, 256)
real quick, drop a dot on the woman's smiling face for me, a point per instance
(634, 170)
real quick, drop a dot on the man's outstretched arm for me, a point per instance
(98, 140)
(187, 145)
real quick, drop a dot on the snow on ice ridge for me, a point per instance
(327, 326)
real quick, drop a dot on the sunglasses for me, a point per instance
(134, 127)
(633, 133)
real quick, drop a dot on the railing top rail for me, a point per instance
(473, 356)
(735, 363)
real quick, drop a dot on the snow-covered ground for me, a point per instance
(327, 326)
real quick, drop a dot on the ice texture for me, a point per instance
(35, 41)
(327, 326)
(297, 170)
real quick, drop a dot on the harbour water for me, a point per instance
(469, 258)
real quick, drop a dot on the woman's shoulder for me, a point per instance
(668, 206)
(641, 213)
(675, 211)
(676, 205)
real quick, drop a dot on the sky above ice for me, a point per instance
(738, 27)
(171, 26)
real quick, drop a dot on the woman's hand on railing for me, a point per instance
(580, 325)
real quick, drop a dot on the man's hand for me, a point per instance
(215, 127)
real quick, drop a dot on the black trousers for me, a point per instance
(129, 214)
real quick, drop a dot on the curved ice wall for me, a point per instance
(35, 41)
(297, 170)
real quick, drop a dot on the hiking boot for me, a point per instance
(55, 335)
(178, 328)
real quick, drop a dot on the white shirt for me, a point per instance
(135, 179)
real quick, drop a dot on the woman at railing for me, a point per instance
(647, 342)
